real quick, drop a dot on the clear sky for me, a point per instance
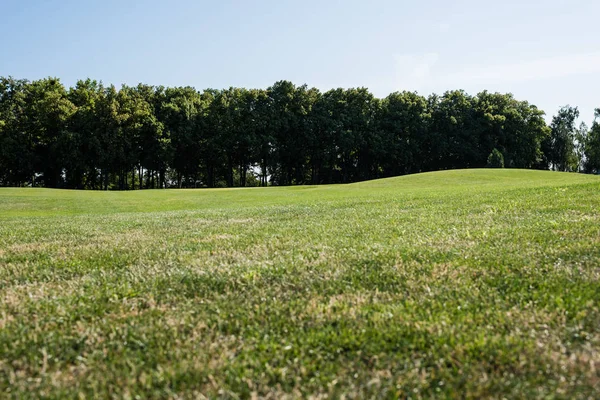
(543, 51)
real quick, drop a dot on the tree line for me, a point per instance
(93, 136)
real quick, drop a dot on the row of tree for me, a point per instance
(93, 136)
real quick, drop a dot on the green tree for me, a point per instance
(143, 142)
(46, 120)
(264, 134)
(454, 141)
(180, 111)
(592, 146)
(581, 137)
(404, 125)
(16, 143)
(83, 146)
(524, 131)
(495, 159)
(560, 145)
(107, 141)
(291, 107)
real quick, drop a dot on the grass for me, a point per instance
(471, 283)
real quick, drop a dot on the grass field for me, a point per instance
(472, 283)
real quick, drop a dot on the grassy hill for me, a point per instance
(469, 283)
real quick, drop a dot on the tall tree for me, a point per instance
(180, 111)
(592, 146)
(290, 110)
(404, 124)
(524, 132)
(142, 138)
(581, 138)
(47, 116)
(17, 155)
(454, 124)
(83, 147)
(560, 146)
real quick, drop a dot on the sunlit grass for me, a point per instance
(477, 283)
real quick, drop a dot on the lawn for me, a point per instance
(468, 283)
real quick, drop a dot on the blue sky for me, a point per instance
(546, 52)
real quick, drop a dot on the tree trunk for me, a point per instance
(243, 175)
(263, 170)
(229, 172)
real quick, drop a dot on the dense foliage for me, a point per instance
(93, 136)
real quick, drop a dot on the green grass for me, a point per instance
(473, 283)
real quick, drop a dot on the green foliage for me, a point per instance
(495, 159)
(97, 137)
(560, 145)
(456, 284)
(579, 148)
(404, 120)
(592, 146)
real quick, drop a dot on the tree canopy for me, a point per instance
(93, 136)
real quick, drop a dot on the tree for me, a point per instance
(495, 159)
(581, 137)
(290, 111)
(404, 124)
(264, 135)
(107, 145)
(46, 120)
(454, 142)
(143, 142)
(592, 146)
(84, 143)
(560, 145)
(16, 143)
(524, 131)
(180, 111)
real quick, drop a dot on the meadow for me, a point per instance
(452, 284)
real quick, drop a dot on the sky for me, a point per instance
(544, 51)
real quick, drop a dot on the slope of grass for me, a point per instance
(474, 283)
